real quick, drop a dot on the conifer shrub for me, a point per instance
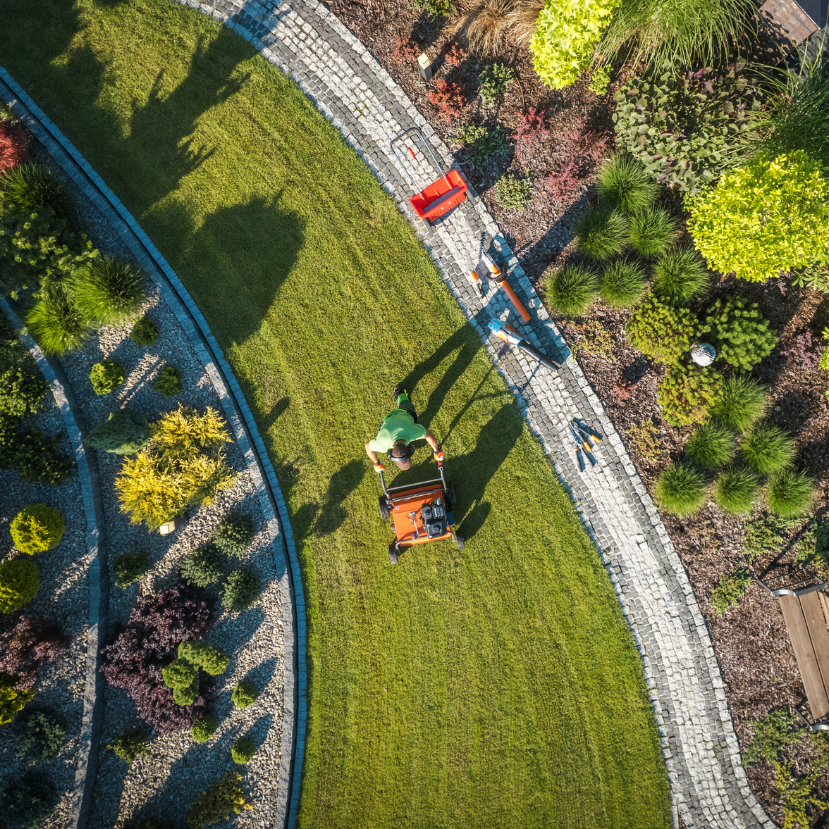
(12, 698)
(572, 289)
(129, 567)
(710, 445)
(168, 381)
(241, 589)
(207, 658)
(37, 528)
(32, 186)
(626, 185)
(27, 646)
(129, 745)
(687, 393)
(144, 332)
(37, 458)
(741, 402)
(739, 332)
(40, 735)
(601, 231)
(651, 231)
(108, 291)
(661, 331)
(106, 376)
(680, 489)
(19, 583)
(203, 729)
(57, 323)
(28, 801)
(736, 490)
(202, 567)
(679, 276)
(244, 695)
(495, 78)
(767, 449)
(125, 432)
(234, 534)
(21, 392)
(182, 674)
(217, 802)
(622, 283)
(791, 492)
(482, 145)
(243, 751)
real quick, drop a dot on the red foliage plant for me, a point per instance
(579, 154)
(448, 98)
(530, 132)
(12, 146)
(453, 54)
(135, 660)
(406, 50)
(31, 643)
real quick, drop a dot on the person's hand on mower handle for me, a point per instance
(438, 453)
(378, 467)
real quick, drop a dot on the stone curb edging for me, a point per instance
(245, 431)
(93, 700)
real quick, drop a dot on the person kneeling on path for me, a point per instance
(398, 429)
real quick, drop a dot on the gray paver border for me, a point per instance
(93, 708)
(236, 409)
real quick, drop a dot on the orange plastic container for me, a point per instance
(439, 197)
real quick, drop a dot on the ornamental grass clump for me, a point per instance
(183, 465)
(740, 333)
(661, 331)
(687, 393)
(125, 432)
(40, 735)
(736, 490)
(57, 323)
(679, 276)
(129, 567)
(626, 185)
(711, 445)
(680, 489)
(791, 492)
(32, 186)
(234, 534)
(651, 231)
(108, 291)
(741, 402)
(572, 289)
(767, 449)
(622, 283)
(243, 751)
(244, 695)
(601, 232)
(37, 528)
(106, 376)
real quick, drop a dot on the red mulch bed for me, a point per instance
(751, 641)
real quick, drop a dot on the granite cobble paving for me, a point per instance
(339, 75)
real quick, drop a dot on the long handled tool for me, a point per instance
(582, 446)
(507, 334)
(586, 430)
(500, 279)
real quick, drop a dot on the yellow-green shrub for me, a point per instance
(37, 528)
(765, 218)
(565, 36)
(12, 699)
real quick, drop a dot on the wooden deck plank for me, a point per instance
(818, 631)
(804, 653)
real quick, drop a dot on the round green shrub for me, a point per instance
(625, 184)
(204, 728)
(244, 695)
(243, 750)
(130, 745)
(739, 332)
(19, 583)
(32, 186)
(710, 445)
(21, 392)
(736, 490)
(679, 276)
(651, 231)
(687, 393)
(234, 534)
(39, 735)
(203, 566)
(742, 400)
(601, 232)
(108, 291)
(144, 332)
(791, 493)
(241, 590)
(37, 528)
(767, 449)
(661, 331)
(680, 489)
(622, 284)
(57, 323)
(209, 659)
(572, 289)
(123, 433)
(12, 699)
(168, 382)
(28, 801)
(106, 376)
(129, 568)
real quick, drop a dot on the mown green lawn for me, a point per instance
(496, 686)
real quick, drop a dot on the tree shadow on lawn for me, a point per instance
(311, 518)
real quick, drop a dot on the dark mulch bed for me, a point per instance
(751, 641)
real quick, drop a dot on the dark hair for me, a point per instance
(400, 450)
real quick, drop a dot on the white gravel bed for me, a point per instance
(164, 783)
(64, 599)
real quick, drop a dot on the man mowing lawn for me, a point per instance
(398, 429)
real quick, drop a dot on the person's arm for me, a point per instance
(378, 467)
(432, 441)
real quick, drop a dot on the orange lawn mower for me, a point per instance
(420, 513)
(438, 199)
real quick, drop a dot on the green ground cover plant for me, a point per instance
(21, 392)
(28, 801)
(12, 698)
(448, 634)
(729, 590)
(736, 490)
(622, 283)
(660, 330)
(495, 78)
(742, 400)
(39, 735)
(626, 185)
(37, 528)
(680, 489)
(679, 276)
(767, 534)
(796, 794)
(482, 144)
(218, 802)
(514, 192)
(601, 231)
(772, 733)
(711, 445)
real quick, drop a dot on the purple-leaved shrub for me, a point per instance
(27, 646)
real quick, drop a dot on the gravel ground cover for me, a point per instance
(63, 598)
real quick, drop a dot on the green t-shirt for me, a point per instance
(398, 425)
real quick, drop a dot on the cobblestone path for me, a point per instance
(336, 71)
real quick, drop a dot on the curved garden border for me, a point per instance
(75, 425)
(247, 436)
